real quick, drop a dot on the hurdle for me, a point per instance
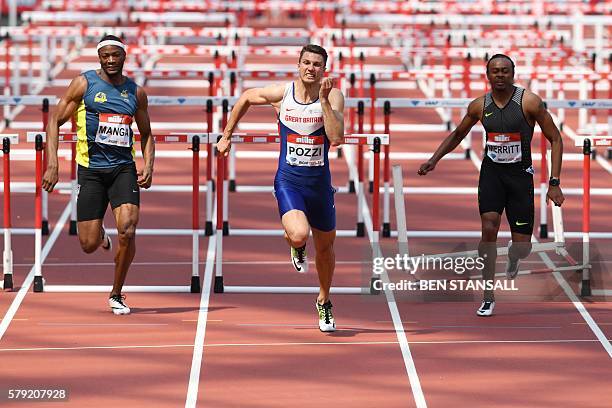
(374, 140)
(195, 139)
(7, 253)
(558, 246)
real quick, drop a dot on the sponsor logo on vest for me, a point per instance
(100, 97)
(124, 93)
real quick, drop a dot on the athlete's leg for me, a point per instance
(90, 235)
(296, 228)
(325, 260)
(92, 201)
(126, 216)
(487, 247)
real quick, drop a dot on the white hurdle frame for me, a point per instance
(195, 286)
(375, 140)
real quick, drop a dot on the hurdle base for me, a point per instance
(7, 123)
(39, 285)
(468, 152)
(45, 227)
(73, 227)
(208, 230)
(386, 231)
(609, 154)
(346, 290)
(232, 186)
(107, 289)
(339, 153)
(195, 284)
(351, 187)
(371, 187)
(593, 154)
(7, 284)
(219, 288)
(449, 126)
(585, 288)
(225, 228)
(360, 229)
(543, 230)
(373, 290)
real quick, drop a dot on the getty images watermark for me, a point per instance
(457, 265)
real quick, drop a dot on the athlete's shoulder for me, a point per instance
(531, 101)
(476, 106)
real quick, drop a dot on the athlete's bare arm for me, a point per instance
(269, 95)
(147, 142)
(66, 107)
(473, 115)
(332, 103)
(535, 110)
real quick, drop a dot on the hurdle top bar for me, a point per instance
(164, 138)
(597, 140)
(350, 139)
(464, 102)
(12, 138)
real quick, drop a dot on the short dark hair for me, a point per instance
(500, 56)
(315, 49)
(111, 37)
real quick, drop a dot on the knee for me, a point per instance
(325, 251)
(490, 227)
(519, 250)
(89, 245)
(298, 236)
(126, 232)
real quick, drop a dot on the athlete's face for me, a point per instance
(500, 74)
(112, 59)
(311, 68)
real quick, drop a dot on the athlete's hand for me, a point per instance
(426, 168)
(555, 195)
(145, 177)
(50, 179)
(224, 145)
(326, 86)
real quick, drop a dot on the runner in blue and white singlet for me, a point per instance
(303, 180)
(310, 120)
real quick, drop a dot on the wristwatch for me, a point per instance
(554, 182)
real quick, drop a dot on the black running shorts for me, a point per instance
(509, 187)
(98, 187)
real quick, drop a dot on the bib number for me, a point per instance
(504, 147)
(114, 129)
(305, 151)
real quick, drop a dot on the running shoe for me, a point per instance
(107, 244)
(299, 259)
(326, 318)
(512, 268)
(117, 305)
(486, 309)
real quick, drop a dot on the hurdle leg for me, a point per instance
(585, 289)
(218, 286)
(38, 279)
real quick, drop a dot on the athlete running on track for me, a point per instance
(508, 114)
(105, 103)
(310, 115)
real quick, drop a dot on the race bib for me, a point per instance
(504, 147)
(305, 151)
(114, 129)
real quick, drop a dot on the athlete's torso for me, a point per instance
(104, 119)
(508, 133)
(304, 145)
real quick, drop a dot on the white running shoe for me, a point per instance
(299, 259)
(486, 309)
(107, 243)
(326, 318)
(117, 305)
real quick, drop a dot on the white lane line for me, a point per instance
(579, 306)
(198, 346)
(103, 324)
(413, 377)
(290, 344)
(175, 263)
(10, 313)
